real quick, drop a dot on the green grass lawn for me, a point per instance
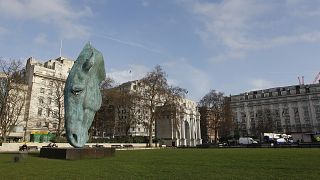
(173, 164)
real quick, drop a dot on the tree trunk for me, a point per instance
(4, 136)
(215, 135)
(150, 135)
(58, 130)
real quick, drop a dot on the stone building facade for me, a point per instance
(42, 109)
(113, 119)
(179, 126)
(290, 109)
(189, 123)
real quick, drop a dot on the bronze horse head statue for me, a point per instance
(82, 95)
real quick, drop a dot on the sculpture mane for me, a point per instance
(82, 95)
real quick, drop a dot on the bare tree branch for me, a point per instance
(12, 94)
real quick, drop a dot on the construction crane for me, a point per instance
(317, 78)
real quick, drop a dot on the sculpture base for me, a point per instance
(76, 153)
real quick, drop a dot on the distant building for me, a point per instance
(42, 109)
(291, 109)
(113, 120)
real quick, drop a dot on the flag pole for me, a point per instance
(60, 47)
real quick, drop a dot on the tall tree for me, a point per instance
(13, 92)
(226, 124)
(104, 120)
(132, 105)
(58, 99)
(128, 108)
(214, 102)
(107, 83)
(264, 122)
(157, 92)
(172, 106)
(155, 87)
(119, 103)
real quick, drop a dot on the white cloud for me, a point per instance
(302, 8)
(41, 38)
(58, 13)
(249, 25)
(258, 84)
(133, 72)
(182, 73)
(130, 43)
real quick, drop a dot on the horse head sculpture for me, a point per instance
(82, 95)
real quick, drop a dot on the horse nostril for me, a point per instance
(75, 137)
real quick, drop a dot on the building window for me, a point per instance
(54, 125)
(50, 91)
(288, 92)
(296, 112)
(138, 129)
(307, 90)
(297, 89)
(41, 100)
(46, 124)
(39, 111)
(317, 109)
(41, 90)
(55, 114)
(49, 101)
(48, 112)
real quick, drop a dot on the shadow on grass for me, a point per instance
(18, 156)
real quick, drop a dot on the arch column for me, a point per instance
(199, 140)
(183, 134)
(187, 133)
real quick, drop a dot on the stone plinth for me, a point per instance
(76, 153)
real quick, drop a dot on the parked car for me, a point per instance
(247, 140)
(281, 141)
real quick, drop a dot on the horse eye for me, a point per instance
(77, 91)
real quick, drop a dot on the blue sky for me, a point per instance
(232, 46)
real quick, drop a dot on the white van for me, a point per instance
(247, 140)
